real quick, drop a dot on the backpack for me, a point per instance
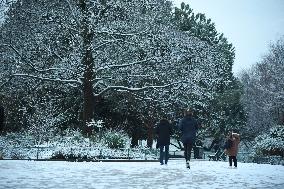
(228, 144)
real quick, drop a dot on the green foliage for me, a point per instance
(115, 139)
(226, 112)
(204, 29)
(221, 110)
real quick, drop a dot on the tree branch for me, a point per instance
(121, 34)
(48, 79)
(123, 65)
(31, 65)
(134, 89)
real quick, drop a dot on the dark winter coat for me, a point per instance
(233, 150)
(164, 131)
(188, 127)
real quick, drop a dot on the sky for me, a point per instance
(139, 175)
(250, 25)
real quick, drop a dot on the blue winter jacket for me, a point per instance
(188, 127)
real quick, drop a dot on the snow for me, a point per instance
(203, 174)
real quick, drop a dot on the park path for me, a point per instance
(99, 175)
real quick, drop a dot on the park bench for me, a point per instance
(217, 155)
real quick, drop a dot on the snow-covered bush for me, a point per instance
(71, 144)
(271, 143)
(11, 145)
(115, 139)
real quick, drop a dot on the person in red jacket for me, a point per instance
(233, 139)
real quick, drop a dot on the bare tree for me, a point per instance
(264, 90)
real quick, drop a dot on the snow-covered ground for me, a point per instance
(203, 174)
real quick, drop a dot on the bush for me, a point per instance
(72, 145)
(115, 139)
(271, 143)
(58, 155)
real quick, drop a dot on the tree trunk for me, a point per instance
(87, 62)
(150, 134)
(134, 139)
(280, 116)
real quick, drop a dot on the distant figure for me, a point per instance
(2, 118)
(188, 127)
(164, 131)
(231, 148)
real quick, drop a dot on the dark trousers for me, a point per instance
(162, 154)
(233, 158)
(187, 150)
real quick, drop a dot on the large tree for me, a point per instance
(77, 53)
(208, 70)
(96, 49)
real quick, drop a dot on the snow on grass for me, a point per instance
(203, 174)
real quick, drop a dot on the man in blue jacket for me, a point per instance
(188, 127)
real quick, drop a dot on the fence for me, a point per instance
(97, 153)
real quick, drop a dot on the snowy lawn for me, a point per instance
(203, 174)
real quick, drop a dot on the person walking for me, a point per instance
(164, 131)
(188, 127)
(231, 148)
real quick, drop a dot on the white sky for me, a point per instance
(250, 25)
(151, 175)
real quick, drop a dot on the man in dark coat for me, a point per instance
(164, 131)
(1, 118)
(188, 127)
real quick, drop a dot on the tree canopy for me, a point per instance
(136, 58)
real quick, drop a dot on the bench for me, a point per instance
(217, 156)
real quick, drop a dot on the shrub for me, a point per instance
(58, 155)
(271, 143)
(115, 139)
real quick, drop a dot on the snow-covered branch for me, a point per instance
(124, 65)
(123, 88)
(106, 42)
(121, 34)
(71, 81)
(20, 55)
(30, 64)
(72, 12)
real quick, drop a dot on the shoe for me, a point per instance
(161, 163)
(230, 167)
(187, 165)
(235, 167)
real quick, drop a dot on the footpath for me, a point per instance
(149, 175)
